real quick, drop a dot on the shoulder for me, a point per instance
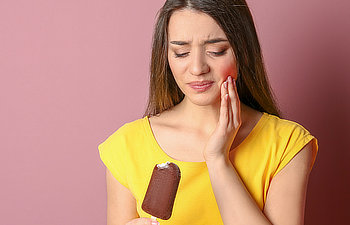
(127, 131)
(132, 127)
(124, 144)
(284, 127)
(289, 138)
(289, 135)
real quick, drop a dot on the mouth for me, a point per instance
(201, 83)
(201, 86)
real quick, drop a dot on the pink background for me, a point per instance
(72, 72)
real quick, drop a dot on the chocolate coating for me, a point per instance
(161, 191)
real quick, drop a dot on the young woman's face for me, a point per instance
(199, 51)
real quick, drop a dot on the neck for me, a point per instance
(204, 118)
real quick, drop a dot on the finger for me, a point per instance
(223, 89)
(232, 92)
(236, 104)
(223, 120)
(232, 100)
(229, 108)
(230, 112)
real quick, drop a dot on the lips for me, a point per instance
(201, 86)
(201, 83)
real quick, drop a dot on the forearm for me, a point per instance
(235, 203)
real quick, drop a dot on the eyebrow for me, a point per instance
(210, 41)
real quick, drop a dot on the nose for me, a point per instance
(198, 64)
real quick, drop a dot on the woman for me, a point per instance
(210, 111)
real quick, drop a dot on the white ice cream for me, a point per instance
(163, 165)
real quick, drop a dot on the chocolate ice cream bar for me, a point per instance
(161, 191)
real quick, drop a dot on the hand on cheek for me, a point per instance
(234, 105)
(220, 141)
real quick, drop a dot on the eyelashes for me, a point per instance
(215, 54)
(180, 55)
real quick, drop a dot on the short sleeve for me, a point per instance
(294, 142)
(112, 153)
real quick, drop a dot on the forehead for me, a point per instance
(189, 25)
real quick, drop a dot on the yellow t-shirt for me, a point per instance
(132, 151)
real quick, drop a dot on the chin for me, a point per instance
(205, 100)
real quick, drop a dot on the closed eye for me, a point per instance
(218, 53)
(213, 53)
(181, 55)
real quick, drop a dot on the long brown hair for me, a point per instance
(235, 19)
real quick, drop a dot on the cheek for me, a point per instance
(176, 67)
(228, 68)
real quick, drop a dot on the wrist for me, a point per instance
(218, 160)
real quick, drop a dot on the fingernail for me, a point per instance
(229, 78)
(225, 84)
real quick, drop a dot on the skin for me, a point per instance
(219, 114)
(200, 110)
